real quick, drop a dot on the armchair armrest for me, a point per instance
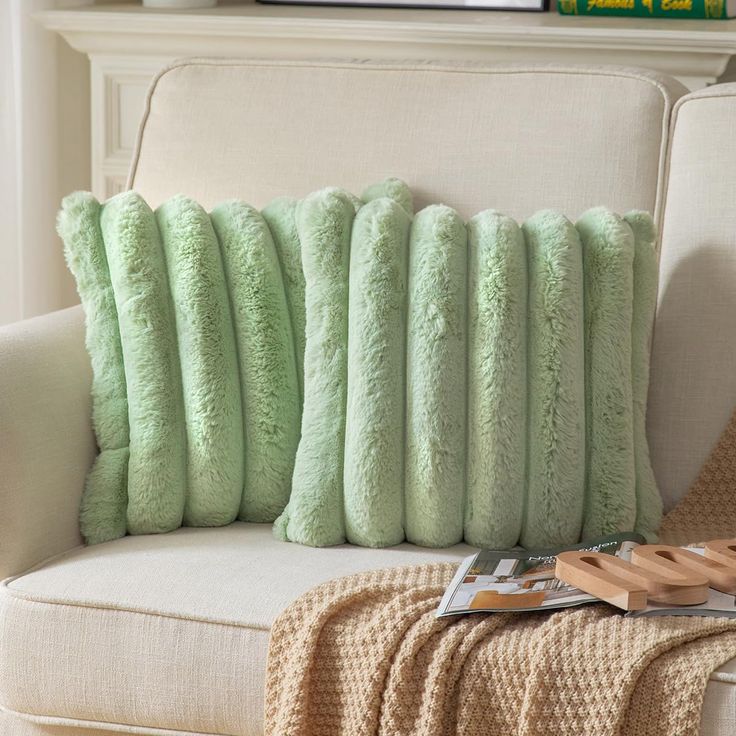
(46, 439)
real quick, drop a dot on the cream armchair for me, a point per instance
(168, 634)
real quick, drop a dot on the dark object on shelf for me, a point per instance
(522, 5)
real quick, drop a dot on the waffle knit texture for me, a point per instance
(708, 510)
(365, 654)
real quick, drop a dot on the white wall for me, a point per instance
(44, 153)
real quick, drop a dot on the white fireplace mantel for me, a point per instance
(127, 44)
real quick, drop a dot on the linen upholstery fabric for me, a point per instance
(204, 599)
(581, 154)
(21, 726)
(693, 390)
(47, 443)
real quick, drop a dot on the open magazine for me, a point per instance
(524, 580)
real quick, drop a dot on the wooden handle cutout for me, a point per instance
(626, 586)
(722, 550)
(612, 583)
(669, 561)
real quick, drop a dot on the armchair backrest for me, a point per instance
(515, 139)
(692, 393)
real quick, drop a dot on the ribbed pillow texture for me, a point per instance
(356, 372)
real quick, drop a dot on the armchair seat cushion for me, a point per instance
(170, 631)
(163, 631)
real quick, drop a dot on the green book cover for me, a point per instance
(715, 9)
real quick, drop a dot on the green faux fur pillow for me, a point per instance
(166, 304)
(356, 372)
(482, 381)
(157, 466)
(196, 332)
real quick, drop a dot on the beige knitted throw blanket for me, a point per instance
(365, 655)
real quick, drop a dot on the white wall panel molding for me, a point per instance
(114, 184)
(44, 149)
(118, 87)
(694, 51)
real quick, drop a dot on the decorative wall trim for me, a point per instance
(118, 86)
(689, 49)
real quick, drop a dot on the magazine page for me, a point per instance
(522, 580)
(718, 604)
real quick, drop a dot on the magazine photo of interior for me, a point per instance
(521, 580)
